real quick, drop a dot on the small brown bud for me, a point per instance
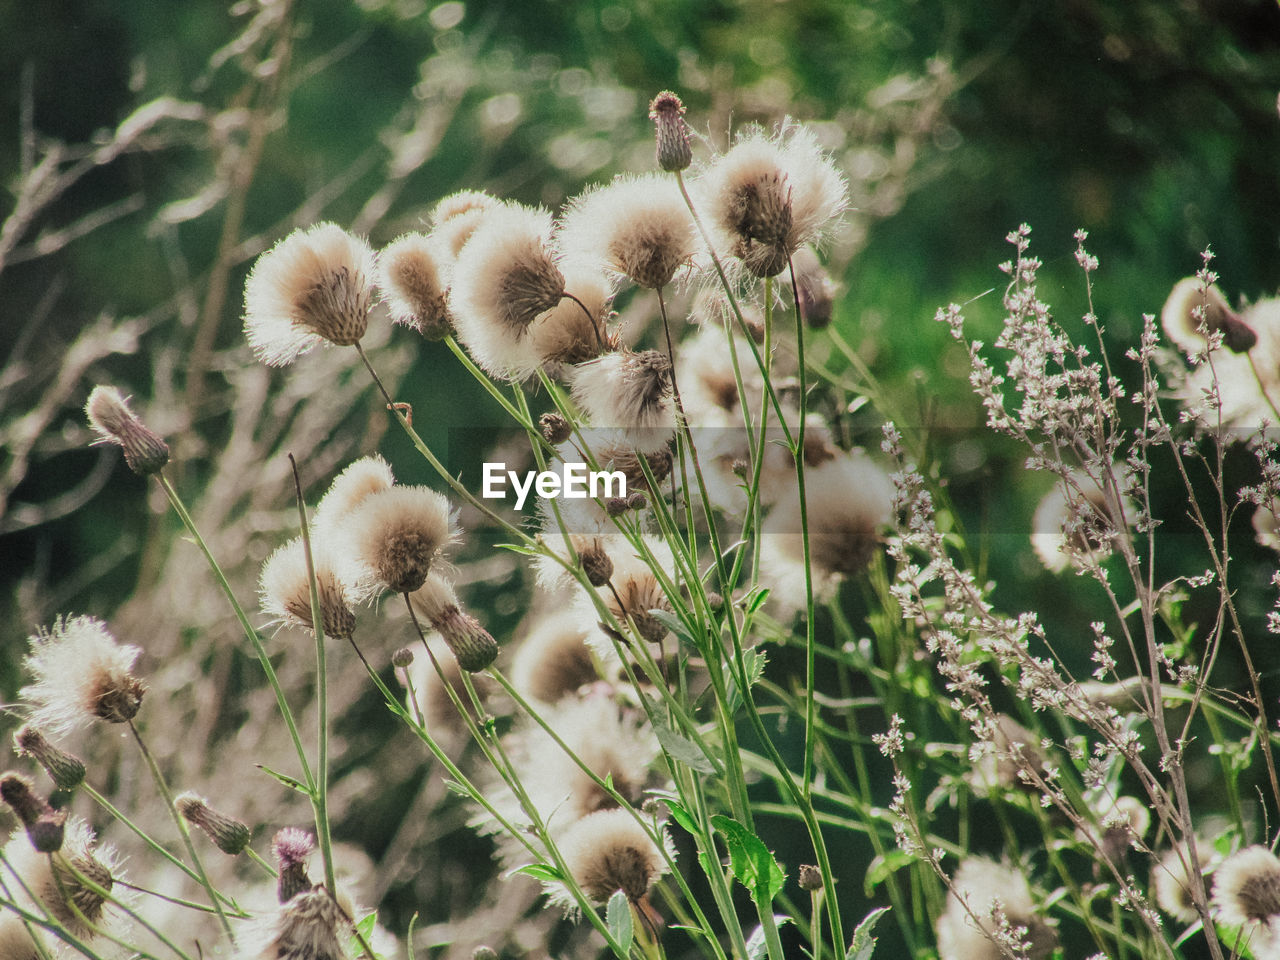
(66, 770)
(810, 877)
(47, 832)
(715, 601)
(672, 134)
(740, 468)
(555, 428)
(109, 415)
(227, 833)
(402, 658)
(44, 825)
(636, 500)
(596, 564)
(616, 506)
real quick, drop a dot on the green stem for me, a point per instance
(182, 829)
(254, 637)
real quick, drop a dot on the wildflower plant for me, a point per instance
(763, 700)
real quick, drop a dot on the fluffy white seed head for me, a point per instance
(638, 227)
(633, 591)
(414, 287)
(81, 674)
(392, 538)
(769, 194)
(1171, 884)
(568, 333)
(284, 589)
(849, 499)
(627, 391)
(315, 286)
(505, 277)
(1246, 887)
(310, 926)
(348, 490)
(608, 851)
(989, 902)
(553, 660)
(51, 886)
(1076, 521)
(1191, 308)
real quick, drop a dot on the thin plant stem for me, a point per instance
(181, 823)
(320, 789)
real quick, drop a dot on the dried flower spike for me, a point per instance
(672, 134)
(315, 286)
(66, 771)
(109, 414)
(81, 674)
(227, 833)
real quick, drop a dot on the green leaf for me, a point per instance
(520, 548)
(756, 946)
(453, 786)
(681, 816)
(756, 599)
(540, 871)
(408, 937)
(884, 866)
(863, 943)
(678, 746)
(754, 662)
(287, 780)
(676, 626)
(750, 860)
(365, 929)
(618, 918)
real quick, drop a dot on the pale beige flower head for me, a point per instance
(315, 286)
(82, 674)
(609, 851)
(413, 287)
(634, 591)
(553, 660)
(768, 195)
(349, 489)
(506, 276)
(285, 590)
(109, 415)
(849, 500)
(391, 539)
(1246, 887)
(51, 883)
(638, 227)
(575, 329)
(1192, 309)
(989, 911)
(1171, 883)
(628, 391)
(1078, 521)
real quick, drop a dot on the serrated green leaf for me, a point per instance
(750, 860)
(679, 747)
(617, 917)
(287, 780)
(863, 943)
(754, 661)
(540, 872)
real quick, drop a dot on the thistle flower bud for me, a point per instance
(66, 771)
(291, 848)
(617, 506)
(596, 564)
(227, 833)
(472, 645)
(810, 877)
(402, 658)
(670, 131)
(636, 500)
(44, 825)
(109, 415)
(555, 428)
